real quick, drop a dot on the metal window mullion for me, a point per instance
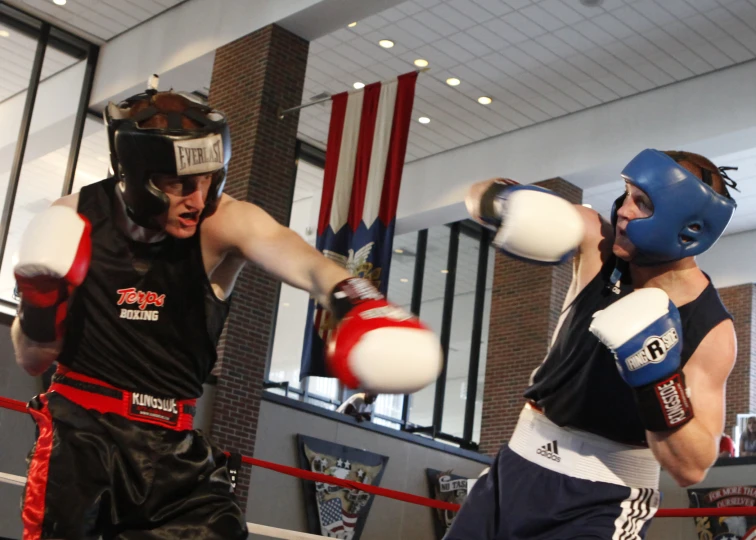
(81, 117)
(417, 298)
(23, 135)
(477, 332)
(446, 323)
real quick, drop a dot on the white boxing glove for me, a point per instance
(56, 249)
(532, 223)
(379, 346)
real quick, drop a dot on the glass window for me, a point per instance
(94, 155)
(460, 342)
(17, 51)
(484, 345)
(292, 304)
(47, 149)
(434, 282)
(399, 292)
(402, 270)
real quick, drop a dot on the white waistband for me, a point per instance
(582, 455)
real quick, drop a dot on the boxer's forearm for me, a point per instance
(686, 453)
(325, 275)
(33, 357)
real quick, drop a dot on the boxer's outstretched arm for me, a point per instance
(688, 452)
(375, 345)
(251, 233)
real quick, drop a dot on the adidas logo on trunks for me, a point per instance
(550, 451)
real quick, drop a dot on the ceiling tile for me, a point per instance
(633, 19)
(453, 17)
(542, 18)
(433, 21)
(471, 10)
(487, 37)
(453, 50)
(524, 25)
(561, 10)
(470, 44)
(505, 30)
(419, 30)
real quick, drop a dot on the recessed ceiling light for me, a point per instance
(421, 63)
(398, 250)
(4, 33)
(359, 85)
(404, 280)
(424, 120)
(386, 43)
(285, 304)
(484, 100)
(453, 81)
(352, 25)
(59, 2)
(587, 205)
(444, 271)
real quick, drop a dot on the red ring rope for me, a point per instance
(15, 405)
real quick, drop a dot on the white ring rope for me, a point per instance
(254, 528)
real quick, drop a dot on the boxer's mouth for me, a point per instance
(189, 219)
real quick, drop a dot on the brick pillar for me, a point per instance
(741, 385)
(525, 306)
(252, 77)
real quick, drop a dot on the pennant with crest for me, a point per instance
(335, 511)
(448, 487)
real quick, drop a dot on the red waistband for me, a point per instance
(93, 394)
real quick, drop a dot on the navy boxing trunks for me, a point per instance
(553, 483)
(123, 465)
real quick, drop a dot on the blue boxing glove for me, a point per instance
(532, 223)
(644, 332)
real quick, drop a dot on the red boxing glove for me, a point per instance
(56, 249)
(379, 346)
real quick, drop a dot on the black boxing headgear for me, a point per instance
(137, 153)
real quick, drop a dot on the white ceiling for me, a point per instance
(96, 20)
(537, 59)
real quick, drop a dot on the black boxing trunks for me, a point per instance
(123, 465)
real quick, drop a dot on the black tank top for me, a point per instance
(146, 318)
(578, 384)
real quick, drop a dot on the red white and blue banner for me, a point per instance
(367, 143)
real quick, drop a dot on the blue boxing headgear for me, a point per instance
(689, 216)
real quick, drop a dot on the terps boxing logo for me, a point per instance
(654, 350)
(143, 299)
